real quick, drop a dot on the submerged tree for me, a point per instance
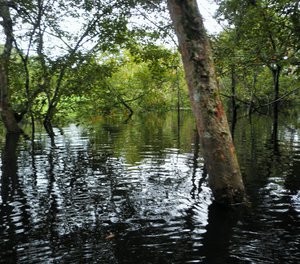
(219, 152)
(266, 33)
(51, 51)
(7, 114)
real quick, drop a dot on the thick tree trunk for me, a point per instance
(219, 152)
(7, 114)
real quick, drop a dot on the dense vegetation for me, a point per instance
(86, 58)
(257, 54)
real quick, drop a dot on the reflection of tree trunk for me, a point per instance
(292, 180)
(276, 77)
(219, 152)
(9, 181)
(9, 188)
(195, 164)
(9, 166)
(253, 139)
(52, 198)
(216, 240)
(195, 167)
(275, 130)
(33, 160)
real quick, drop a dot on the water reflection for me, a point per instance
(111, 192)
(219, 234)
(270, 233)
(10, 215)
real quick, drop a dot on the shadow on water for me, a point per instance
(111, 192)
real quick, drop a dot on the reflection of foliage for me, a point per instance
(132, 139)
(261, 156)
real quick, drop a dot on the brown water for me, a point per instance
(110, 192)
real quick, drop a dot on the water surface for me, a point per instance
(136, 192)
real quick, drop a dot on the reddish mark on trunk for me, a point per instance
(232, 150)
(219, 110)
(223, 158)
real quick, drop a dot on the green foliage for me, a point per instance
(139, 80)
(124, 82)
(85, 57)
(260, 39)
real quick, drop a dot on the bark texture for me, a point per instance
(219, 152)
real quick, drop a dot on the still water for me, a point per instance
(136, 192)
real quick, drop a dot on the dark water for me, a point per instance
(110, 192)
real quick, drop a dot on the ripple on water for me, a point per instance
(98, 196)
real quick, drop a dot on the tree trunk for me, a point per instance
(48, 119)
(276, 77)
(7, 114)
(219, 152)
(233, 88)
(252, 94)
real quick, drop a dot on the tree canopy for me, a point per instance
(69, 58)
(260, 34)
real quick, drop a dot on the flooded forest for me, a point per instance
(130, 133)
